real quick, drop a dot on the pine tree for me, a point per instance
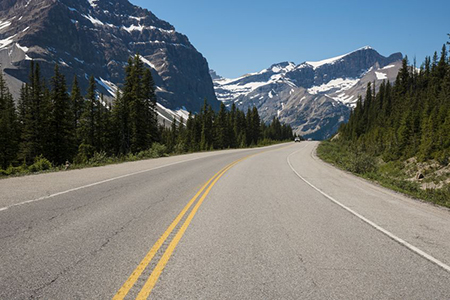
(77, 104)
(149, 96)
(9, 131)
(62, 144)
(256, 133)
(88, 130)
(120, 124)
(221, 129)
(410, 118)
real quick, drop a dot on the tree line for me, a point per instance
(409, 118)
(224, 129)
(52, 123)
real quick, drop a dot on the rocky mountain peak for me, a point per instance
(97, 37)
(214, 75)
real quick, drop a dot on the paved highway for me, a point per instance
(267, 223)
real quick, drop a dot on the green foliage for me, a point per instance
(86, 131)
(60, 143)
(40, 164)
(409, 119)
(362, 163)
(391, 174)
(9, 126)
(14, 170)
(157, 150)
(85, 152)
(134, 111)
(225, 129)
(98, 159)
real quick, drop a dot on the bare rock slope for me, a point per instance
(97, 37)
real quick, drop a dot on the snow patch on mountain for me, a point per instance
(24, 49)
(110, 87)
(388, 67)
(381, 76)
(93, 20)
(235, 90)
(147, 62)
(166, 114)
(133, 27)
(346, 99)
(92, 3)
(339, 84)
(317, 64)
(333, 60)
(6, 42)
(4, 24)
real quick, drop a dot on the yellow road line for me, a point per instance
(123, 291)
(150, 283)
(148, 287)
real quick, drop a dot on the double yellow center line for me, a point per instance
(151, 281)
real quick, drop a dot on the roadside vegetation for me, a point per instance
(50, 129)
(400, 136)
(400, 176)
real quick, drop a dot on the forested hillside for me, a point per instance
(51, 126)
(403, 130)
(406, 119)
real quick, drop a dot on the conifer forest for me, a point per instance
(400, 135)
(49, 125)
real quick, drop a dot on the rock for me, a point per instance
(419, 176)
(97, 38)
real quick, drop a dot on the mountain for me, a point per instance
(313, 97)
(97, 37)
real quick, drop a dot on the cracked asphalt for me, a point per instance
(261, 233)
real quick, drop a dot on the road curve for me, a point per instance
(267, 223)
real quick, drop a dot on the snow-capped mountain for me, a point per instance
(97, 37)
(313, 97)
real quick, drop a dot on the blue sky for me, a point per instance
(239, 37)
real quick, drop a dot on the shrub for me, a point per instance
(179, 148)
(85, 152)
(14, 170)
(158, 150)
(40, 164)
(99, 158)
(363, 163)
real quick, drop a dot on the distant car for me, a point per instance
(297, 139)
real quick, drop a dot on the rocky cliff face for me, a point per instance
(97, 37)
(313, 97)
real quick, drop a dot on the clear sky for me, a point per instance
(243, 36)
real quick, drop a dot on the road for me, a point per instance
(267, 223)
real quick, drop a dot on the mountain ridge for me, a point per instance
(329, 87)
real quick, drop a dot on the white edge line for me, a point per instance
(115, 178)
(377, 227)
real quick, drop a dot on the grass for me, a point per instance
(395, 175)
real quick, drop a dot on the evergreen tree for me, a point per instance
(61, 140)
(221, 129)
(34, 121)
(408, 119)
(89, 130)
(9, 131)
(77, 104)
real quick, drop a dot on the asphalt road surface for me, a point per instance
(267, 223)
